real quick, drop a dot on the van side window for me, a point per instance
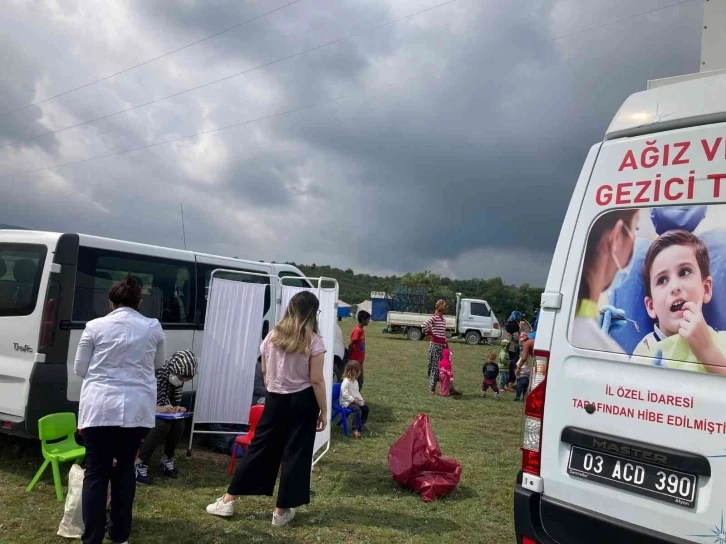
(21, 270)
(649, 274)
(166, 285)
(479, 309)
(205, 271)
(294, 282)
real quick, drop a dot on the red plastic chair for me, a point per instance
(246, 439)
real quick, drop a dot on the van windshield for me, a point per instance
(21, 269)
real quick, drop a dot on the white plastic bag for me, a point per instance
(71, 526)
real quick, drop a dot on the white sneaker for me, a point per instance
(284, 519)
(220, 508)
(482, 394)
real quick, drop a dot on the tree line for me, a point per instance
(502, 297)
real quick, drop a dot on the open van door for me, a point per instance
(25, 262)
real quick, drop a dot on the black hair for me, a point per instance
(363, 315)
(126, 293)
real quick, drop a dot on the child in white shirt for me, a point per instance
(351, 398)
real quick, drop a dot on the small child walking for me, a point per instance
(490, 371)
(351, 398)
(504, 365)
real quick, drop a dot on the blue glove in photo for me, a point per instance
(612, 318)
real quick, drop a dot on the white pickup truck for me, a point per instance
(473, 320)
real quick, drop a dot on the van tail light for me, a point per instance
(534, 415)
(496, 325)
(50, 315)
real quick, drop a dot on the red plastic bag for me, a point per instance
(416, 462)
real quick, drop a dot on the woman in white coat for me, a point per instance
(117, 356)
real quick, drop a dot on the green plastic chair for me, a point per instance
(60, 429)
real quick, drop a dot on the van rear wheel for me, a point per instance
(472, 338)
(414, 334)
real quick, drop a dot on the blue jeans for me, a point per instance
(522, 386)
(503, 378)
(360, 415)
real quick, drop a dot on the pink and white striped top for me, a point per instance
(436, 327)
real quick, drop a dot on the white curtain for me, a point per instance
(232, 337)
(326, 322)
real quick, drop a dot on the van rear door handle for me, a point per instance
(551, 301)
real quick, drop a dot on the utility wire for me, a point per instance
(225, 78)
(306, 107)
(623, 19)
(91, 83)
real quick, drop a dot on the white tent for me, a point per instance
(366, 305)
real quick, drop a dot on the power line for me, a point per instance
(258, 67)
(306, 107)
(623, 19)
(211, 131)
(91, 83)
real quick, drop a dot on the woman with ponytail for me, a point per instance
(117, 356)
(295, 408)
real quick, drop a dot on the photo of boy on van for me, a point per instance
(676, 275)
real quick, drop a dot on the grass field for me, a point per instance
(355, 499)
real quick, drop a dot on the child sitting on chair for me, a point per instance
(170, 379)
(351, 398)
(446, 375)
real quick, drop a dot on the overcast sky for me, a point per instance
(450, 140)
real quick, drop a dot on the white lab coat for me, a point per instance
(117, 357)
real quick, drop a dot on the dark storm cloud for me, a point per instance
(456, 149)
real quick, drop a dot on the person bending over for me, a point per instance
(170, 379)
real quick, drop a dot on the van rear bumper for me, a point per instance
(570, 524)
(47, 395)
(527, 520)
